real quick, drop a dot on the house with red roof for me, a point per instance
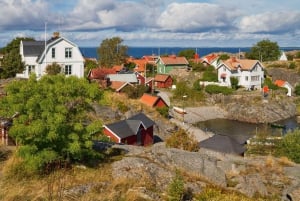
(167, 63)
(153, 101)
(250, 73)
(211, 59)
(163, 81)
(136, 130)
(284, 84)
(99, 75)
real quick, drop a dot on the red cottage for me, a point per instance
(163, 81)
(137, 130)
(153, 101)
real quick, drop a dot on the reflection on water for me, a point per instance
(235, 128)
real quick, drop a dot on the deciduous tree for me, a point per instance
(264, 50)
(112, 52)
(52, 123)
(11, 63)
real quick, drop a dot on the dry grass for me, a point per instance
(284, 161)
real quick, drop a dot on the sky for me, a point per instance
(154, 23)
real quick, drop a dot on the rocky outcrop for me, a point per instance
(247, 175)
(258, 110)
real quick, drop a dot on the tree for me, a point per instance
(210, 74)
(234, 82)
(88, 65)
(11, 63)
(223, 57)
(187, 53)
(264, 50)
(53, 69)
(52, 122)
(111, 52)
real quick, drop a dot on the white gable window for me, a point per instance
(246, 78)
(68, 53)
(255, 78)
(68, 69)
(53, 53)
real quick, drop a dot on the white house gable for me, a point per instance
(58, 50)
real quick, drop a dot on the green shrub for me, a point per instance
(182, 140)
(215, 89)
(210, 75)
(290, 146)
(176, 188)
(163, 111)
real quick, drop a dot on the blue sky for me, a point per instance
(155, 23)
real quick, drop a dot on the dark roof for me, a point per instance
(130, 126)
(142, 117)
(224, 144)
(33, 48)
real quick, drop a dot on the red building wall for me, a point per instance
(167, 84)
(160, 103)
(110, 135)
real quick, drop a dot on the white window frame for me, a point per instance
(68, 52)
(68, 69)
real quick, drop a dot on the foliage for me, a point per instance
(210, 74)
(130, 66)
(290, 57)
(150, 70)
(196, 85)
(215, 89)
(111, 52)
(290, 146)
(223, 57)
(264, 50)
(135, 92)
(292, 65)
(297, 90)
(176, 188)
(234, 83)
(198, 67)
(88, 65)
(163, 111)
(268, 82)
(52, 118)
(53, 69)
(193, 94)
(11, 63)
(187, 53)
(182, 140)
(297, 54)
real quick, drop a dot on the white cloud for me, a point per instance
(193, 17)
(272, 22)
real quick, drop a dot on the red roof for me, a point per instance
(174, 60)
(149, 100)
(279, 83)
(210, 58)
(118, 68)
(117, 85)
(100, 73)
(161, 77)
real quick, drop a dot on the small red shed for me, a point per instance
(153, 101)
(137, 130)
(163, 81)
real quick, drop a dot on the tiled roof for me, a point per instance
(161, 77)
(210, 58)
(117, 85)
(118, 68)
(100, 73)
(149, 100)
(245, 64)
(174, 60)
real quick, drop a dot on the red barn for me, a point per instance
(163, 81)
(153, 101)
(137, 130)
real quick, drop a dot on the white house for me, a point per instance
(249, 73)
(285, 84)
(37, 55)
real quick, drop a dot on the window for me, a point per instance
(255, 78)
(30, 69)
(68, 52)
(68, 69)
(53, 53)
(246, 78)
(224, 69)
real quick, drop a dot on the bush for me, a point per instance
(176, 188)
(215, 89)
(234, 83)
(182, 140)
(163, 111)
(290, 146)
(210, 75)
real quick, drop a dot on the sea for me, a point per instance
(139, 52)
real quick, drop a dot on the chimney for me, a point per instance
(56, 34)
(233, 59)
